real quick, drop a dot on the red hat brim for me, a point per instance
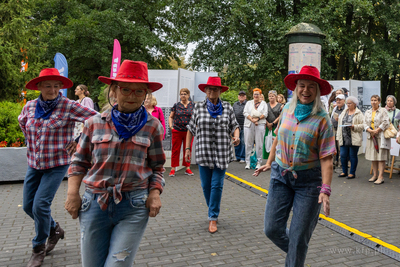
(202, 87)
(32, 84)
(153, 86)
(291, 81)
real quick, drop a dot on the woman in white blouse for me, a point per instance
(254, 113)
(376, 120)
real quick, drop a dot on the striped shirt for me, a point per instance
(301, 145)
(113, 165)
(213, 135)
(46, 139)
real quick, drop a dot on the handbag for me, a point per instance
(390, 131)
(268, 142)
(385, 143)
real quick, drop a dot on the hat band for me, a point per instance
(130, 76)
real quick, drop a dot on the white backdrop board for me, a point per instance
(201, 77)
(186, 79)
(167, 95)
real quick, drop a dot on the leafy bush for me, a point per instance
(31, 95)
(230, 96)
(10, 132)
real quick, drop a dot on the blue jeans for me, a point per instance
(302, 194)
(212, 182)
(40, 187)
(240, 150)
(112, 237)
(347, 152)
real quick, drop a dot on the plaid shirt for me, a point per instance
(46, 139)
(116, 165)
(301, 145)
(213, 136)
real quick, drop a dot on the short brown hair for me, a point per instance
(377, 97)
(184, 90)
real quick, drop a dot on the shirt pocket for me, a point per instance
(55, 123)
(102, 146)
(139, 150)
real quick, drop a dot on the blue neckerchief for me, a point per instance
(302, 111)
(128, 124)
(214, 110)
(45, 108)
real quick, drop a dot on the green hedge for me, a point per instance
(9, 127)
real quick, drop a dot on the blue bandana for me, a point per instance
(214, 110)
(302, 111)
(128, 124)
(45, 108)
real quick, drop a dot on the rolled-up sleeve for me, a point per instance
(233, 124)
(193, 121)
(156, 160)
(82, 159)
(385, 119)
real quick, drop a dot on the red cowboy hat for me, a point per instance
(213, 81)
(46, 75)
(132, 72)
(308, 73)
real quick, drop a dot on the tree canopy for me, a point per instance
(244, 40)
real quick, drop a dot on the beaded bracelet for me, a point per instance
(326, 189)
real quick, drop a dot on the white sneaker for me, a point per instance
(242, 161)
(258, 166)
(247, 167)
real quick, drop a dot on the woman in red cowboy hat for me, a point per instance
(301, 166)
(213, 123)
(47, 123)
(120, 160)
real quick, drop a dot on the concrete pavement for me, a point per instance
(178, 236)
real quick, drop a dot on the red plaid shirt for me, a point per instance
(46, 139)
(113, 165)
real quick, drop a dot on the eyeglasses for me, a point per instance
(127, 91)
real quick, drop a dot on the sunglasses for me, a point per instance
(215, 89)
(127, 91)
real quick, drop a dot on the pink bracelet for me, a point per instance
(326, 189)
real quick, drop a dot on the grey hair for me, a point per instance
(340, 89)
(393, 98)
(317, 105)
(352, 99)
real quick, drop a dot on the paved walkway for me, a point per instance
(178, 236)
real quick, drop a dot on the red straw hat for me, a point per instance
(132, 72)
(47, 75)
(307, 73)
(213, 81)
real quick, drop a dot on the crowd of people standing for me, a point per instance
(118, 155)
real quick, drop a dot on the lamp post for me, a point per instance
(305, 42)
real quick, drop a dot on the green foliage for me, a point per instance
(231, 96)
(9, 127)
(18, 31)
(245, 40)
(84, 31)
(31, 95)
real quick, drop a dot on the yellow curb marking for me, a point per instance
(342, 225)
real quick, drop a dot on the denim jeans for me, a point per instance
(240, 150)
(112, 237)
(40, 187)
(212, 182)
(347, 152)
(301, 194)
